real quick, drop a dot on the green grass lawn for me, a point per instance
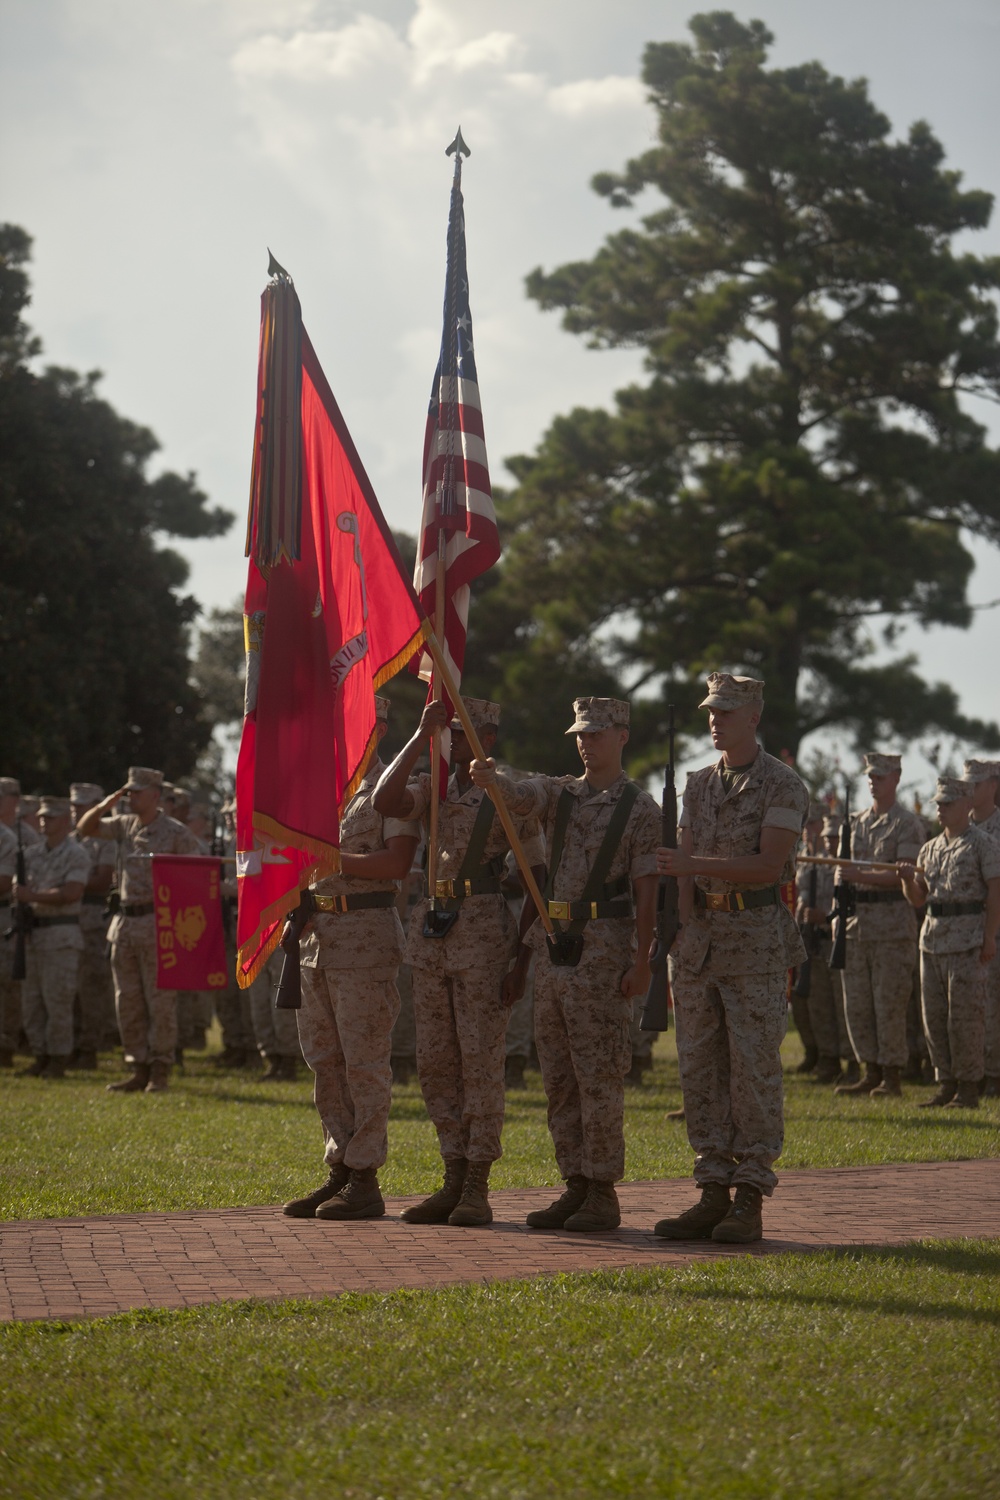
(224, 1140)
(835, 1375)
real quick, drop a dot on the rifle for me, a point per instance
(289, 992)
(810, 937)
(655, 1014)
(843, 894)
(22, 918)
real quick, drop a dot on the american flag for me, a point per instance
(458, 516)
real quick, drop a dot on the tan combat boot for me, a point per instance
(742, 1224)
(555, 1216)
(598, 1211)
(944, 1095)
(436, 1208)
(871, 1080)
(697, 1222)
(472, 1211)
(134, 1083)
(891, 1086)
(159, 1078)
(305, 1208)
(966, 1097)
(361, 1198)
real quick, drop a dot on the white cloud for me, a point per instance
(365, 45)
(597, 95)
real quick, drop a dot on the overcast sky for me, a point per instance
(154, 151)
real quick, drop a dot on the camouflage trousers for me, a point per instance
(276, 1031)
(10, 993)
(147, 1016)
(345, 1028)
(729, 1032)
(47, 999)
(461, 1027)
(96, 1024)
(582, 1026)
(877, 982)
(826, 1016)
(234, 1010)
(953, 989)
(991, 1061)
(404, 1033)
(520, 1036)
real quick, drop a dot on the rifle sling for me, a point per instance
(595, 888)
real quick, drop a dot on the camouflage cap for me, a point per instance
(483, 713)
(381, 710)
(877, 764)
(981, 770)
(140, 777)
(85, 793)
(594, 714)
(181, 794)
(951, 789)
(9, 786)
(54, 807)
(727, 691)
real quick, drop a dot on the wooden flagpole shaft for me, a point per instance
(861, 864)
(517, 848)
(433, 815)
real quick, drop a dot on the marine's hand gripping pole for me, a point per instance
(509, 828)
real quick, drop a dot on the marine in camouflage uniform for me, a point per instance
(10, 989)
(96, 1025)
(741, 822)
(56, 871)
(276, 1031)
(350, 1001)
(583, 1012)
(147, 1015)
(959, 882)
(457, 978)
(882, 934)
(11, 829)
(826, 1020)
(985, 778)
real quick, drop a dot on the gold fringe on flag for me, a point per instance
(274, 524)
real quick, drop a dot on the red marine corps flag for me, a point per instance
(458, 528)
(329, 616)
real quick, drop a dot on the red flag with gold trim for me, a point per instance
(329, 617)
(190, 942)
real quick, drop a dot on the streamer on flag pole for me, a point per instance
(458, 531)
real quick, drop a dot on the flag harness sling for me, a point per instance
(598, 899)
(473, 879)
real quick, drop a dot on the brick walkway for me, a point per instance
(73, 1268)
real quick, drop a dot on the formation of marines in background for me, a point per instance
(472, 974)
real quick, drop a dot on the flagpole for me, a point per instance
(445, 497)
(509, 827)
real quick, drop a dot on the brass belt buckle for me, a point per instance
(559, 910)
(468, 887)
(716, 900)
(443, 889)
(593, 911)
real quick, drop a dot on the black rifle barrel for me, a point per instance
(289, 992)
(656, 1011)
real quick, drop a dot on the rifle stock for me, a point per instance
(656, 1011)
(289, 992)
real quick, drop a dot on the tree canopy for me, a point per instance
(93, 623)
(794, 479)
